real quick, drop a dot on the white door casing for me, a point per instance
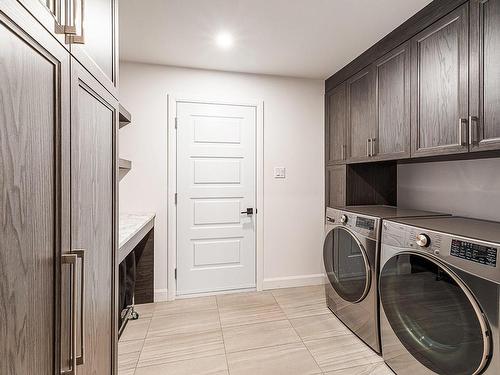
(216, 182)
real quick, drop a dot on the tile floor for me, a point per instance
(278, 332)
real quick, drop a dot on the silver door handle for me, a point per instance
(461, 121)
(71, 260)
(472, 139)
(80, 360)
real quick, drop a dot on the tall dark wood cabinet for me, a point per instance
(58, 201)
(336, 124)
(484, 122)
(34, 191)
(94, 116)
(440, 86)
(392, 107)
(361, 115)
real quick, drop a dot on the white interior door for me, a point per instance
(215, 184)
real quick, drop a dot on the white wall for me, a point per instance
(467, 188)
(293, 138)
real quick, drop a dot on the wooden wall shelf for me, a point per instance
(125, 117)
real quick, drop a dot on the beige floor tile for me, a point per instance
(341, 352)
(145, 310)
(189, 322)
(299, 302)
(239, 315)
(319, 326)
(128, 354)
(126, 372)
(180, 306)
(289, 359)
(181, 347)
(247, 299)
(371, 369)
(136, 329)
(215, 365)
(259, 335)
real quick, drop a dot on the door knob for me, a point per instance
(249, 211)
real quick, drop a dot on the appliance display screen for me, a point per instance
(474, 252)
(365, 223)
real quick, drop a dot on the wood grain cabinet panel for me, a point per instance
(485, 75)
(34, 191)
(392, 137)
(360, 114)
(94, 121)
(439, 83)
(335, 186)
(336, 102)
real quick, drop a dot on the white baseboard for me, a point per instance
(161, 295)
(293, 281)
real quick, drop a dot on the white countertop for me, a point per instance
(131, 227)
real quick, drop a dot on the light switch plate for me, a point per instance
(279, 172)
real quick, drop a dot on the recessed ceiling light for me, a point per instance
(224, 40)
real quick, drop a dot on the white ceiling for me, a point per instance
(302, 38)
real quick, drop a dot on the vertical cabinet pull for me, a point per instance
(368, 141)
(373, 147)
(57, 10)
(78, 12)
(472, 138)
(342, 152)
(71, 259)
(461, 122)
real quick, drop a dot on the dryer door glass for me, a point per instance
(346, 265)
(436, 319)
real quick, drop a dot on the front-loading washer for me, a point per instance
(351, 257)
(440, 296)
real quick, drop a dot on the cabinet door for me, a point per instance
(335, 186)
(485, 75)
(440, 86)
(392, 138)
(96, 44)
(93, 175)
(361, 114)
(336, 101)
(34, 192)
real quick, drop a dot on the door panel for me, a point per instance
(440, 86)
(361, 114)
(94, 122)
(336, 186)
(392, 140)
(95, 45)
(336, 124)
(33, 192)
(485, 75)
(215, 184)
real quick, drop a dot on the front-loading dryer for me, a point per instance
(440, 296)
(351, 257)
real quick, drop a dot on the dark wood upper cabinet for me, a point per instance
(361, 114)
(392, 137)
(336, 102)
(95, 44)
(34, 192)
(439, 85)
(485, 75)
(94, 122)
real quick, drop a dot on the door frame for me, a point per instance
(171, 155)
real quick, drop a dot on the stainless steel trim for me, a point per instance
(461, 121)
(71, 260)
(366, 262)
(80, 360)
(485, 330)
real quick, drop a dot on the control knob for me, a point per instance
(423, 240)
(344, 219)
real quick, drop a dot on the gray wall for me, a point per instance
(467, 188)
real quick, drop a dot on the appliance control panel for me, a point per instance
(365, 225)
(474, 252)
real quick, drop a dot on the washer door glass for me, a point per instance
(433, 315)
(346, 265)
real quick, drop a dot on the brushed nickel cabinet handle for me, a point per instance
(57, 12)
(342, 152)
(80, 360)
(75, 38)
(368, 147)
(472, 138)
(71, 259)
(373, 146)
(461, 121)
